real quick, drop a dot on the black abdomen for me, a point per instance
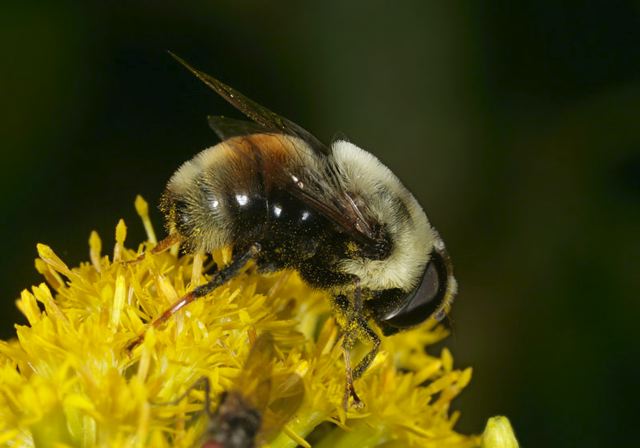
(292, 235)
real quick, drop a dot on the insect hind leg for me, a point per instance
(218, 279)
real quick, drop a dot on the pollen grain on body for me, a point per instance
(67, 379)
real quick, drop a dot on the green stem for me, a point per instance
(302, 424)
(361, 435)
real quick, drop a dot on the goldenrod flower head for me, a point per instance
(69, 380)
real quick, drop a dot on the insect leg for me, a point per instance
(365, 331)
(207, 397)
(201, 382)
(349, 391)
(356, 327)
(218, 279)
(351, 310)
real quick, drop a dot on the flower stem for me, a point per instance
(302, 425)
(361, 435)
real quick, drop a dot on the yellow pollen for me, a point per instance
(68, 379)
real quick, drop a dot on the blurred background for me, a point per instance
(517, 127)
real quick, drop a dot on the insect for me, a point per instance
(280, 197)
(259, 405)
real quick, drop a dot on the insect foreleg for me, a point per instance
(355, 328)
(366, 332)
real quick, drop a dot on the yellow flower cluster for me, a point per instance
(69, 380)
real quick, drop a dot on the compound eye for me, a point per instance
(425, 300)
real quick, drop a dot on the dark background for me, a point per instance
(517, 127)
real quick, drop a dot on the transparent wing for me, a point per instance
(286, 398)
(259, 114)
(316, 184)
(226, 128)
(254, 382)
(321, 189)
(275, 396)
